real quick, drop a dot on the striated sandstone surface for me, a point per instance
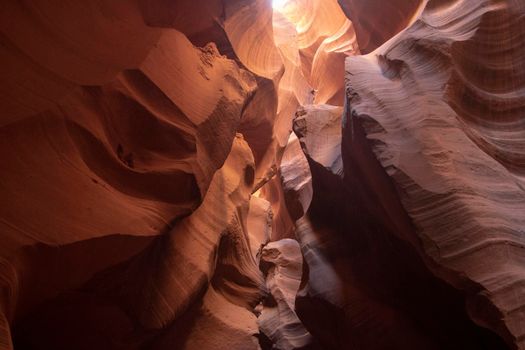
(249, 174)
(376, 21)
(112, 131)
(363, 275)
(278, 321)
(442, 107)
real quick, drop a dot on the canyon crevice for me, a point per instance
(242, 174)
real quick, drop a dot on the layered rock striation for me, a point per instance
(216, 174)
(441, 106)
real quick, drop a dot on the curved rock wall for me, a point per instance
(377, 21)
(442, 107)
(198, 175)
(114, 129)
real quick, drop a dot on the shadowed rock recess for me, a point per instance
(242, 174)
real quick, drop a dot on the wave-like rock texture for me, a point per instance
(376, 21)
(113, 130)
(363, 276)
(319, 131)
(157, 192)
(193, 286)
(283, 263)
(314, 37)
(443, 104)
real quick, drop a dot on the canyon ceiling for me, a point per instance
(228, 174)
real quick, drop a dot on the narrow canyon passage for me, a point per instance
(258, 174)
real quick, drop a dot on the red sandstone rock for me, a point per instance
(377, 21)
(151, 179)
(278, 320)
(442, 106)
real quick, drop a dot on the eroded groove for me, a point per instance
(257, 174)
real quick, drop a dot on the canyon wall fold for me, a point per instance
(249, 174)
(113, 128)
(442, 106)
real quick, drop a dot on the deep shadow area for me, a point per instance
(392, 299)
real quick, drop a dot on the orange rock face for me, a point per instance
(442, 108)
(377, 21)
(224, 174)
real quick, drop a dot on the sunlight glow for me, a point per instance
(279, 4)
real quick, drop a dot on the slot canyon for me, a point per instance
(249, 174)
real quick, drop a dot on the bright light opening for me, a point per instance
(279, 4)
